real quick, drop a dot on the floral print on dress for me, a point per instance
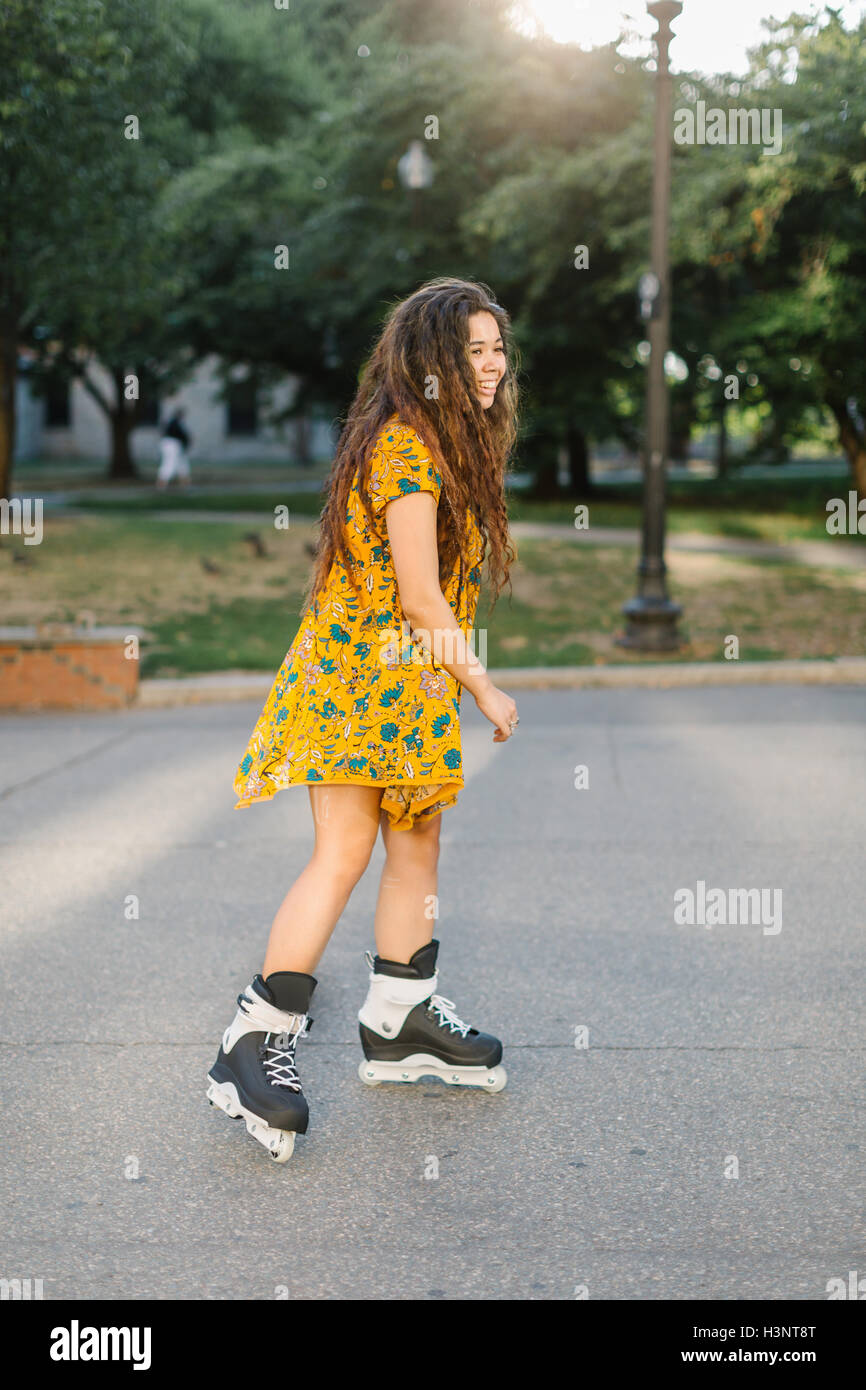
(355, 700)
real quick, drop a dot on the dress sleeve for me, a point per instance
(400, 464)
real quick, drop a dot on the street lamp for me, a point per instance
(651, 616)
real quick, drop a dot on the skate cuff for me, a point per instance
(403, 992)
(269, 1018)
(390, 1001)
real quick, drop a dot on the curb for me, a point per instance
(229, 686)
(655, 675)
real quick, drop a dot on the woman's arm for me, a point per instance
(411, 525)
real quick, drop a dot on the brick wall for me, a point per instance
(86, 670)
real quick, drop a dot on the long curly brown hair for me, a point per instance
(421, 370)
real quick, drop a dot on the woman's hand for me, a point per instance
(500, 709)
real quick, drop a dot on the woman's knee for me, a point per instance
(346, 861)
(346, 823)
(418, 846)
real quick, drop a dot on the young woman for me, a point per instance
(365, 709)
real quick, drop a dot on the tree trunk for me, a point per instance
(123, 419)
(545, 465)
(577, 446)
(679, 446)
(8, 377)
(122, 463)
(853, 441)
(722, 442)
(858, 471)
(302, 440)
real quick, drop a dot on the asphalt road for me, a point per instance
(599, 1168)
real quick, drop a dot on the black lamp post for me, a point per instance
(651, 616)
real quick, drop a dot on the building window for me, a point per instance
(58, 414)
(243, 413)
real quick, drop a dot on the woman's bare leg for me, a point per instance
(346, 820)
(407, 892)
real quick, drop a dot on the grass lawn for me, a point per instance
(210, 604)
(306, 503)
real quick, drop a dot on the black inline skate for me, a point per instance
(408, 1031)
(254, 1075)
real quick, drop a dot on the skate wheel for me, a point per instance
(495, 1080)
(283, 1149)
(367, 1075)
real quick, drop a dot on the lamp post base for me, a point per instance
(651, 625)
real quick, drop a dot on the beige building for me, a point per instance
(68, 423)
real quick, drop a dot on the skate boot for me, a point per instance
(254, 1075)
(409, 1031)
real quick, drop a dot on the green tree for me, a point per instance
(51, 57)
(113, 286)
(198, 77)
(520, 174)
(776, 244)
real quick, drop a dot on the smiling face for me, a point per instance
(487, 354)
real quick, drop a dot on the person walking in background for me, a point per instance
(173, 447)
(365, 709)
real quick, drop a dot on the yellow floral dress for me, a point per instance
(355, 700)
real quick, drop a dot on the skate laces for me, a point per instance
(277, 1048)
(279, 1059)
(445, 1009)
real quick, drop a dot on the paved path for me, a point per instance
(834, 553)
(601, 1167)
